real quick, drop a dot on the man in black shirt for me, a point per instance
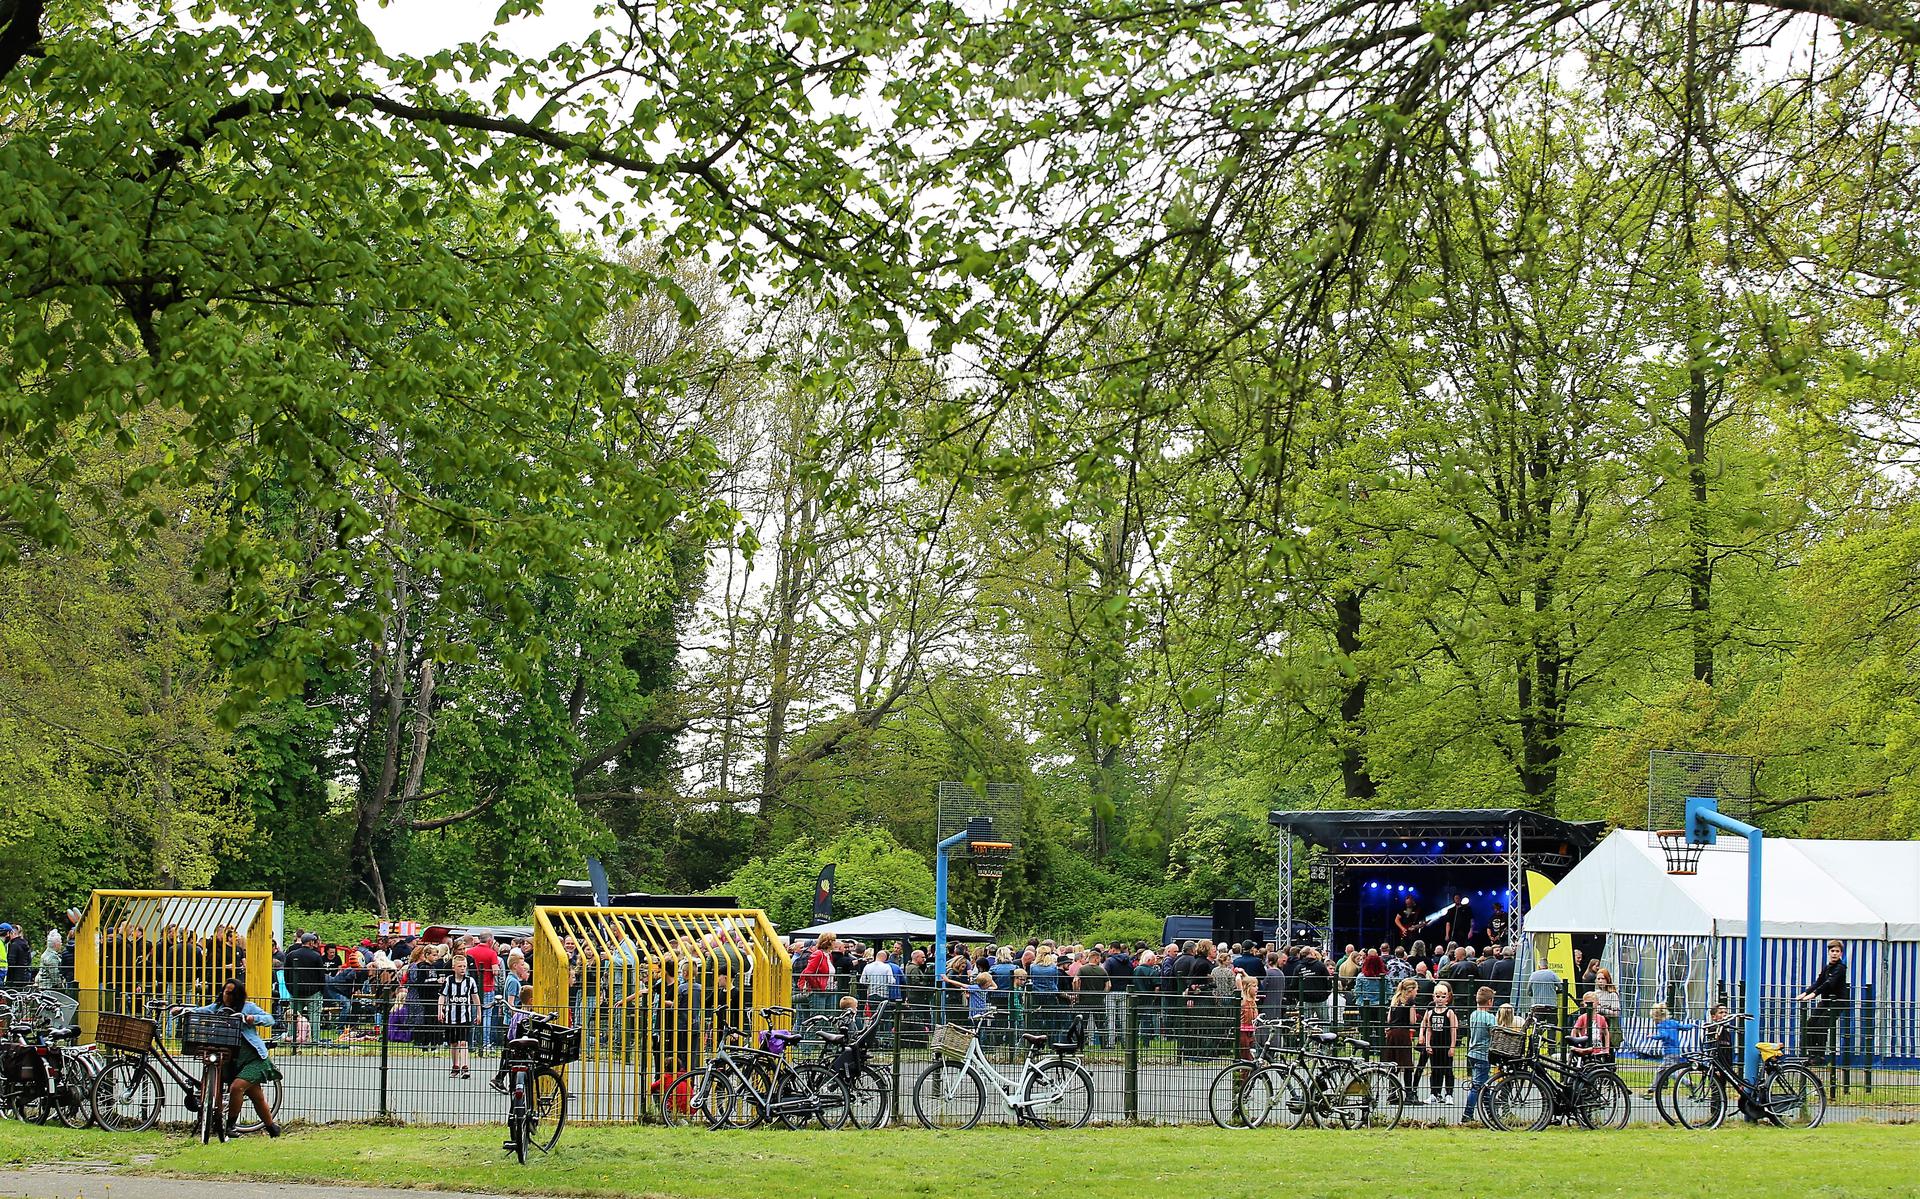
(19, 957)
(306, 974)
(1460, 922)
(1829, 996)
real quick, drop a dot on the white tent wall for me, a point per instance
(1681, 940)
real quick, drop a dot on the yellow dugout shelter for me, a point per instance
(177, 946)
(651, 989)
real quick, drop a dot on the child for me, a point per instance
(1666, 1035)
(1507, 1017)
(977, 1007)
(459, 1008)
(1720, 1036)
(1591, 1027)
(1479, 1048)
(1439, 1036)
(1249, 1010)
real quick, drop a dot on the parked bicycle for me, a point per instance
(43, 1074)
(1693, 1093)
(1051, 1091)
(130, 1093)
(536, 1092)
(1313, 1084)
(1532, 1089)
(1227, 1094)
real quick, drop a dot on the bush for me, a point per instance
(1125, 925)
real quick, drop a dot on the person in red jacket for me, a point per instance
(813, 986)
(485, 960)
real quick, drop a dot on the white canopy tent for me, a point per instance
(890, 923)
(1680, 939)
(1847, 889)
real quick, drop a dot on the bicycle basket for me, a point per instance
(129, 1033)
(555, 1045)
(1506, 1043)
(201, 1031)
(951, 1041)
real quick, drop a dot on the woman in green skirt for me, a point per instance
(247, 1067)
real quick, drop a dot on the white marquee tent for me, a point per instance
(1680, 939)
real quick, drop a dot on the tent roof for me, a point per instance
(1865, 889)
(890, 922)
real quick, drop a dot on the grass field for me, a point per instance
(1101, 1163)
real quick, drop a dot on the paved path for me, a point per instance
(55, 1182)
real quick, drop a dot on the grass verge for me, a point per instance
(1103, 1163)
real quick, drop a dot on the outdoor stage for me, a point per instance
(1375, 860)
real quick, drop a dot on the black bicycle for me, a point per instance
(536, 1093)
(129, 1093)
(44, 1075)
(1533, 1090)
(1693, 1093)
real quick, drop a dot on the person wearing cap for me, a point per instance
(306, 975)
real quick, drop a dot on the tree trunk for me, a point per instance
(1349, 739)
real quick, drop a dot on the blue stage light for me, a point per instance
(1499, 844)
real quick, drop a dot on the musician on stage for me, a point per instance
(1408, 922)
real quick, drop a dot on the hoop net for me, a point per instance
(990, 858)
(1683, 856)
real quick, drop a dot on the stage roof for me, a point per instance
(1327, 828)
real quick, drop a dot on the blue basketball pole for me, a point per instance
(1704, 822)
(940, 918)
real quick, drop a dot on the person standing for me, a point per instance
(486, 969)
(1479, 1049)
(1439, 1037)
(1090, 988)
(1408, 922)
(1828, 994)
(306, 975)
(1460, 920)
(1403, 1028)
(459, 1010)
(19, 956)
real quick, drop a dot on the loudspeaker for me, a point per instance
(1232, 921)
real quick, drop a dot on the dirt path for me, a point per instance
(63, 1182)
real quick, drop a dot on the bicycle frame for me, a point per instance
(1009, 1092)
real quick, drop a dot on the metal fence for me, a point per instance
(1153, 1057)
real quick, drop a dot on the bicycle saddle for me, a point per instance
(68, 1033)
(1357, 1043)
(833, 1038)
(1326, 1038)
(1035, 1039)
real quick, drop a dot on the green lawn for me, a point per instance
(1104, 1163)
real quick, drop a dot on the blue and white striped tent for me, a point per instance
(1680, 940)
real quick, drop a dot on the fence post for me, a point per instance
(899, 1038)
(1132, 1068)
(386, 1015)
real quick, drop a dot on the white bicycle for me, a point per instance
(1052, 1090)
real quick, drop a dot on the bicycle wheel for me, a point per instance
(127, 1096)
(871, 1096)
(249, 1118)
(1371, 1098)
(1520, 1102)
(520, 1128)
(1600, 1099)
(213, 1103)
(948, 1096)
(1794, 1096)
(1663, 1092)
(1697, 1096)
(1059, 1094)
(1292, 1100)
(675, 1110)
(1224, 1095)
(546, 1108)
(731, 1102)
(831, 1103)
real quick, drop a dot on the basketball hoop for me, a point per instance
(1683, 856)
(990, 858)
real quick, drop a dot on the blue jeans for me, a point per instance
(1481, 1068)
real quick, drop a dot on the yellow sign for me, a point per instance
(1555, 950)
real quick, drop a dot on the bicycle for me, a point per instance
(1227, 1094)
(536, 1093)
(1327, 1089)
(1056, 1092)
(846, 1049)
(44, 1075)
(1788, 1094)
(744, 1088)
(129, 1093)
(1534, 1090)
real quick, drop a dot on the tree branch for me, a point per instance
(422, 826)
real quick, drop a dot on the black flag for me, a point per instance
(823, 896)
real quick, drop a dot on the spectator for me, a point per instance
(1273, 988)
(1403, 1029)
(1090, 988)
(1503, 964)
(1439, 1036)
(1143, 988)
(52, 981)
(1315, 986)
(1479, 1049)
(19, 956)
(1543, 986)
(1606, 998)
(459, 1010)
(486, 968)
(1666, 1034)
(306, 982)
(1423, 981)
(343, 984)
(813, 985)
(876, 979)
(1590, 1031)
(919, 996)
(1249, 962)
(1828, 994)
(1043, 983)
(1370, 990)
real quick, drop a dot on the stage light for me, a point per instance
(1499, 844)
(1439, 844)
